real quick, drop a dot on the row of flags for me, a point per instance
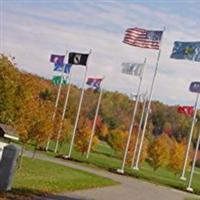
(151, 39)
(74, 59)
(137, 37)
(181, 50)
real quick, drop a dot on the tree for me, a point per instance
(117, 139)
(82, 139)
(131, 148)
(159, 151)
(177, 156)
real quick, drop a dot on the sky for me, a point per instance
(32, 30)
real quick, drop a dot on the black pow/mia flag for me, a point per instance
(77, 58)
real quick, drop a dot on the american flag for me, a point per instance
(143, 38)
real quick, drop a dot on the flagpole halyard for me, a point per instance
(94, 123)
(78, 113)
(148, 107)
(189, 140)
(121, 170)
(63, 113)
(56, 104)
(139, 131)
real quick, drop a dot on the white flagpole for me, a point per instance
(63, 114)
(57, 100)
(139, 131)
(78, 113)
(189, 140)
(121, 170)
(189, 188)
(148, 108)
(94, 124)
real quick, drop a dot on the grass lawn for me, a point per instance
(37, 176)
(106, 158)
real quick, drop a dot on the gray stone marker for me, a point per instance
(7, 166)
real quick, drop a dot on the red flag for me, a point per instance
(186, 110)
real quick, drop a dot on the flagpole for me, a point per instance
(94, 124)
(121, 170)
(189, 140)
(78, 113)
(139, 131)
(63, 114)
(148, 107)
(56, 104)
(189, 188)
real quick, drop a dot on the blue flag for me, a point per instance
(58, 68)
(195, 87)
(186, 50)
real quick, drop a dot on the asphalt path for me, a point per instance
(129, 188)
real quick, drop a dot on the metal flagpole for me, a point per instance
(148, 108)
(57, 100)
(189, 188)
(132, 124)
(94, 124)
(63, 114)
(139, 131)
(189, 140)
(78, 113)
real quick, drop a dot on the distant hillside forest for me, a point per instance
(27, 103)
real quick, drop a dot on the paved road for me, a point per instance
(129, 189)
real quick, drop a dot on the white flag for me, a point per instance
(132, 68)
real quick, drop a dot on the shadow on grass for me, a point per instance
(28, 194)
(60, 197)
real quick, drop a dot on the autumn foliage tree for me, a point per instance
(177, 156)
(117, 139)
(83, 135)
(159, 151)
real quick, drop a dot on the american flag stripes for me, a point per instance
(143, 38)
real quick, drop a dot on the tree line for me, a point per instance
(27, 103)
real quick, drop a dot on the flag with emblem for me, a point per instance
(186, 50)
(94, 82)
(143, 38)
(77, 58)
(186, 110)
(56, 80)
(133, 68)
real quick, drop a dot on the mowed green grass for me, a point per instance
(37, 176)
(105, 157)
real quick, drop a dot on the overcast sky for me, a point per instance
(31, 30)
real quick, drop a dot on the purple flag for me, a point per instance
(57, 59)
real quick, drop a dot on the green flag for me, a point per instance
(56, 80)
